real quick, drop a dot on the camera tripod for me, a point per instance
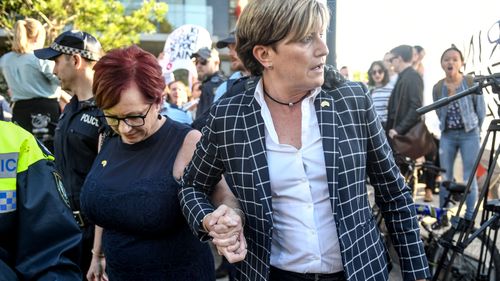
(462, 230)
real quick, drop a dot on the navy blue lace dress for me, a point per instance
(131, 192)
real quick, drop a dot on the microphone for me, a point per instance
(480, 78)
(446, 100)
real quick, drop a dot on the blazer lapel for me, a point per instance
(324, 105)
(256, 142)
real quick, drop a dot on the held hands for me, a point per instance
(225, 226)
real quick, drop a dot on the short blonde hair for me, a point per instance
(266, 22)
(26, 32)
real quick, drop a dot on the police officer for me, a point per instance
(207, 65)
(77, 133)
(39, 238)
(236, 65)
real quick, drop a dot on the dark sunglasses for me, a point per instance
(201, 61)
(379, 71)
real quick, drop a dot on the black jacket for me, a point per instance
(406, 98)
(208, 87)
(75, 145)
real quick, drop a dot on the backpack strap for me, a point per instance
(436, 91)
(469, 79)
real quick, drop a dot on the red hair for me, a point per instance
(119, 69)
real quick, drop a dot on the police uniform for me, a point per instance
(76, 142)
(208, 88)
(39, 238)
(75, 147)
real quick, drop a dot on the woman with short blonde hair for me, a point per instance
(298, 148)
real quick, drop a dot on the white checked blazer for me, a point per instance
(355, 147)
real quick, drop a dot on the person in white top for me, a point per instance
(297, 150)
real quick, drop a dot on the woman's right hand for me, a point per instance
(236, 252)
(97, 269)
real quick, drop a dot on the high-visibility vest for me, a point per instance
(13, 141)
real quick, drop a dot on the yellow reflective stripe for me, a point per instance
(32, 153)
(19, 140)
(8, 184)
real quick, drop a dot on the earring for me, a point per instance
(159, 116)
(270, 66)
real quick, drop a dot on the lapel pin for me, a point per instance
(104, 163)
(325, 103)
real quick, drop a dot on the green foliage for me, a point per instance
(106, 19)
(8, 10)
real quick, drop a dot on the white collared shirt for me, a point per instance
(305, 237)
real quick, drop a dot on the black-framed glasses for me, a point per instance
(131, 120)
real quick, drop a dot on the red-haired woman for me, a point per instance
(131, 190)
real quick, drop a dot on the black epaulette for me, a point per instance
(215, 79)
(239, 85)
(88, 104)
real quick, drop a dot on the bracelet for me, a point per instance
(203, 225)
(241, 214)
(101, 255)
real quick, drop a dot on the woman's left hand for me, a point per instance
(223, 224)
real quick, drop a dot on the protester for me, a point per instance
(460, 124)
(77, 134)
(380, 89)
(298, 157)
(207, 65)
(193, 99)
(39, 239)
(344, 70)
(131, 190)
(196, 90)
(175, 96)
(393, 76)
(33, 86)
(418, 56)
(406, 98)
(407, 94)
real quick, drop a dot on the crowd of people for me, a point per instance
(264, 164)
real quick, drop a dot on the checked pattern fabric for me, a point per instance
(355, 147)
